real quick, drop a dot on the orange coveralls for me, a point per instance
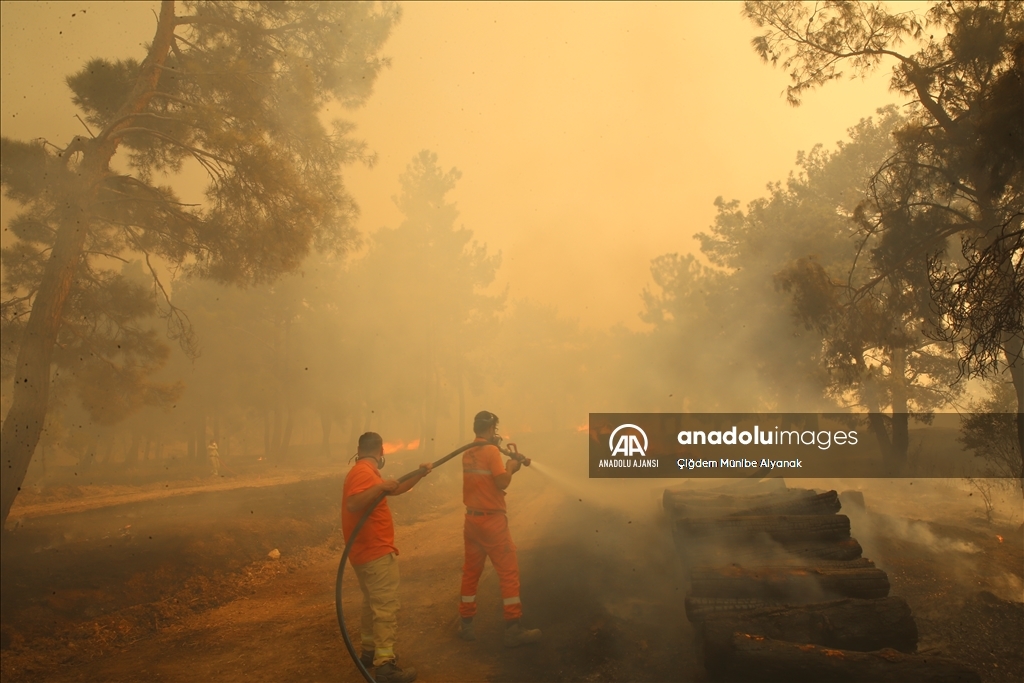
(486, 531)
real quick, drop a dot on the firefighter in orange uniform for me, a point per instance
(484, 480)
(373, 556)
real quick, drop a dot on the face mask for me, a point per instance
(380, 464)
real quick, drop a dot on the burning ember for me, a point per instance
(999, 538)
(395, 446)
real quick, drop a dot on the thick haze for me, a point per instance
(591, 137)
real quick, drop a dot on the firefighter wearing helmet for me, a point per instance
(484, 480)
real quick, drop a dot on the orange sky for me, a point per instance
(591, 137)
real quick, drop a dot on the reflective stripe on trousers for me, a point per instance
(487, 536)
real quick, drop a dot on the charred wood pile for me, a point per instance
(779, 591)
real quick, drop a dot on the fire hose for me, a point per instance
(511, 451)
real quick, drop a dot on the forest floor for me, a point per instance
(179, 587)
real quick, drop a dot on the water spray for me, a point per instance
(511, 451)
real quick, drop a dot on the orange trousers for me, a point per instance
(488, 536)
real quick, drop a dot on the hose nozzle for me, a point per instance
(513, 452)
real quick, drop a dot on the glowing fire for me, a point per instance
(395, 446)
(999, 537)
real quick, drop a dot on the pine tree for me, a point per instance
(236, 88)
(957, 172)
(426, 279)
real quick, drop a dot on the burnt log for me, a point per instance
(698, 609)
(705, 504)
(843, 549)
(783, 528)
(861, 625)
(742, 486)
(858, 563)
(789, 584)
(715, 551)
(784, 563)
(758, 658)
(822, 504)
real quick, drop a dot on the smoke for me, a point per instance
(601, 578)
(934, 537)
(640, 498)
(910, 531)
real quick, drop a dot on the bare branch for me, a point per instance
(113, 256)
(85, 126)
(179, 327)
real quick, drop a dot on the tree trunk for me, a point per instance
(42, 461)
(430, 414)
(201, 438)
(286, 438)
(763, 659)
(267, 440)
(88, 457)
(876, 422)
(131, 455)
(861, 625)
(30, 393)
(325, 429)
(275, 439)
(108, 450)
(462, 404)
(900, 417)
(1014, 352)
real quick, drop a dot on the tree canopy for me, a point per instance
(957, 169)
(236, 89)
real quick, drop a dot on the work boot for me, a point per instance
(366, 658)
(390, 672)
(516, 635)
(466, 630)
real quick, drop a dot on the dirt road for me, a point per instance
(604, 588)
(179, 587)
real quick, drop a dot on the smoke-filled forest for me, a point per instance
(261, 233)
